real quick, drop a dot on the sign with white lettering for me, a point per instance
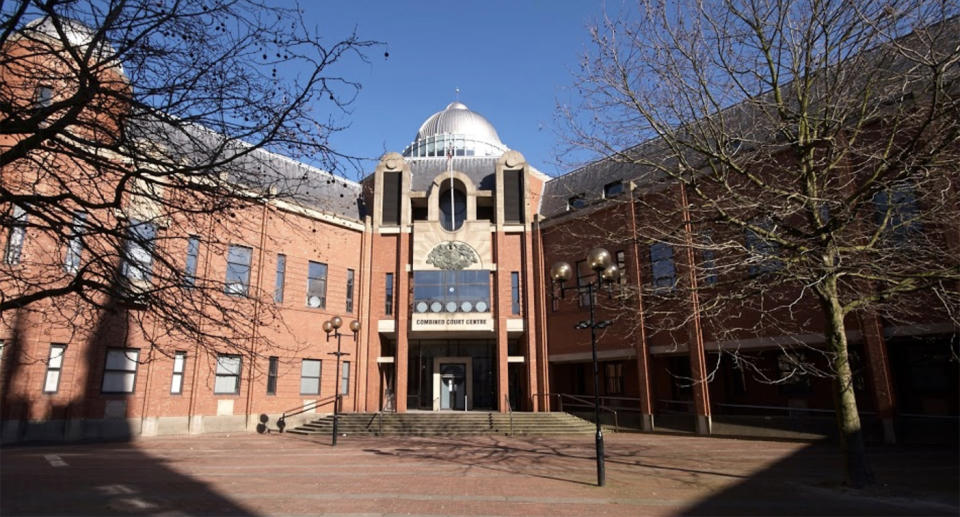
(454, 321)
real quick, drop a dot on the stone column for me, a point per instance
(402, 310)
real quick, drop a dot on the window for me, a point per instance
(281, 276)
(612, 189)
(512, 197)
(272, 367)
(763, 251)
(515, 292)
(193, 252)
(310, 377)
(71, 263)
(317, 285)
(614, 377)
(453, 209)
(345, 378)
(176, 382)
(621, 257)
(237, 282)
(18, 230)
(388, 302)
(583, 280)
(120, 370)
(578, 201)
(43, 97)
(51, 383)
(391, 198)
(138, 254)
(227, 381)
(709, 262)
(898, 206)
(451, 291)
(349, 307)
(661, 260)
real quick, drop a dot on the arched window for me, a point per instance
(453, 209)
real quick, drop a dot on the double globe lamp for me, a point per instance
(601, 263)
(333, 325)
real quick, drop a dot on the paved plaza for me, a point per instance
(249, 474)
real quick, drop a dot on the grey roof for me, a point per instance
(746, 124)
(480, 170)
(200, 152)
(589, 181)
(313, 187)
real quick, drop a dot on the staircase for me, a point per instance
(448, 424)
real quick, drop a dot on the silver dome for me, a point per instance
(456, 128)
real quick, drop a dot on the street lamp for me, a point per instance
(601, 262)
(333, 325)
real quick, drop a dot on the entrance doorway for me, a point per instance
(452, 383)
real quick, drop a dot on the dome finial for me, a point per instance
(457, 90)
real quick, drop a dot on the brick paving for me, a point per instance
(250, 474)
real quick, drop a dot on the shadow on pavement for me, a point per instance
(102, 479)
(910, 481)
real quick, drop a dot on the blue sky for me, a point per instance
(511, 61)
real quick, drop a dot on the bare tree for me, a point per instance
(126, 127)
(798, 158)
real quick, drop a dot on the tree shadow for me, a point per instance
(489, 453)
(911, 481)
(42, 475)
(102, 479)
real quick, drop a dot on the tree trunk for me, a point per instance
(858, 475)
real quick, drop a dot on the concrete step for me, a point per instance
(448, 424)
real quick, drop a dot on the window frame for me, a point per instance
(16, 236)
(51, 369)
(318, 377)
(388, 294)
(583, 298)
(660, 260)
(218, 374)
(613, 189)
(273, 368)
(613, 375)
(323, 283)
(344, 377)
(515, 307)
(106, 370)
(576, 202)
(139, 245)
(244, 282)
(39, 99)
(280, 278)
(176, 384)
(74, 251)
(348, 303)
(191, 261)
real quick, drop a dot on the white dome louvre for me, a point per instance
(457, 130)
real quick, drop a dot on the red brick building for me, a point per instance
(441, 256)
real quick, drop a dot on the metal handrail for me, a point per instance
(582, 402)
(506, 399)
(309, 406)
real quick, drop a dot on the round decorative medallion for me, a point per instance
(466, 306)
(452, 255)
(481, 306)
(436, 306)
(422, 307)
(451, 306)
(391, 163)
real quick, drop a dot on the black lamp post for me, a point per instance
(605, 270)
(333, 325)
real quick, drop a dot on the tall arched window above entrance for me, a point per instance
(453, 209)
